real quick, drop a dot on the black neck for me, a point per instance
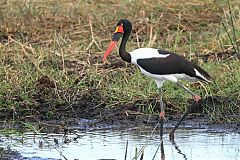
(122, 50)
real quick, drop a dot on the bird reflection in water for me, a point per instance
(178, 150)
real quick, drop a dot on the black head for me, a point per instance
(124, 28)
(127, 25)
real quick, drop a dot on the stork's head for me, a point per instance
(123, 26)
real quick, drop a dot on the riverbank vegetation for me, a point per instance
(51, 57)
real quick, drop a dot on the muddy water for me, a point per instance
(198, 144)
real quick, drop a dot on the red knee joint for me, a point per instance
(162, 114)
(197, 98)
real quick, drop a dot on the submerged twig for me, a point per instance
(156, 152)
(142, 149)
(141, 158)
(126, 151)
(36, 131)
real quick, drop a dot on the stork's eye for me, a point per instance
(119, 29)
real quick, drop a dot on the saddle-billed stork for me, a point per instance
(158, 64)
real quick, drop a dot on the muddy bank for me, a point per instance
(48, 106)
(87, 113)
(8, 154)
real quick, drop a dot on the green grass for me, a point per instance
(54, 39)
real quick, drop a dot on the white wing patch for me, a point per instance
(143, 53)
(200, 75)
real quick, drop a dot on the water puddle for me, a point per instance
(197, 144)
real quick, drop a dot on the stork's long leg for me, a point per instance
(162, 112)
(171, 134)
(161, 119)
(195, 96)
(196, 99)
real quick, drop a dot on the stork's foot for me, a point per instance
(162, 115)
(162, 156)
(197, 98)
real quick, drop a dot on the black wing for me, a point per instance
(172, 64)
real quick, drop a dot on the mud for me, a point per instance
(90, 112)
(47, 107)
(8, 154)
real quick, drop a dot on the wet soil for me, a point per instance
(90, 112)
(6, 154)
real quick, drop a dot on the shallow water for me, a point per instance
(197, 144)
